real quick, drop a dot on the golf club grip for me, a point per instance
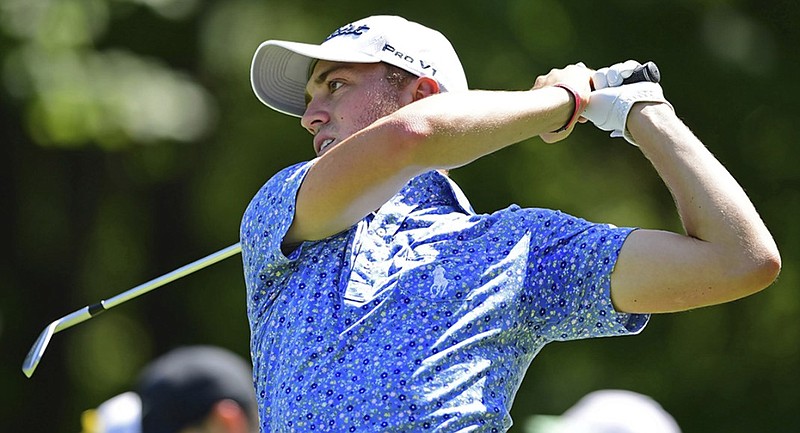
(647, 72)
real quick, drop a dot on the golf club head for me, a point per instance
(37, 350)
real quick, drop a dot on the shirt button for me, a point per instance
(380, 231)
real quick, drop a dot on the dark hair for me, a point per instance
(180, 388)
(398, 77)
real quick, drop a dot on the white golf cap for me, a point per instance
(119, 414)
(608, 411)
(280, 69)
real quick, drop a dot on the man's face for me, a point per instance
(344, 98)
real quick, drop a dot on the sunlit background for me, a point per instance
(132, 144)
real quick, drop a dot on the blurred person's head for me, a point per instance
(608, 411)
(198, 389)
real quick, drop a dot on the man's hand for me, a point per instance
(608, 108)
(613, 75)
(578, 78)
(611, 101)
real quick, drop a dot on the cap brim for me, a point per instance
(280, 71)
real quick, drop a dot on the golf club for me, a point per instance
(86, 313)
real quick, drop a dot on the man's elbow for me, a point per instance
(412, 140)
(768, 267)
(762, 269)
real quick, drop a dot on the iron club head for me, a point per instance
(72, 319)
(37, 350)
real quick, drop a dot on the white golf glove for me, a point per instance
(611, 101)
(613, 75)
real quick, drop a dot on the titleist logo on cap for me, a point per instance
(349, 29)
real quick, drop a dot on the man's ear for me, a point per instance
(227, 415)
(424, 87)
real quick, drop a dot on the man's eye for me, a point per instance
(335, 85)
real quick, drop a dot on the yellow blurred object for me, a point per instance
(119, 414)
(89, 421)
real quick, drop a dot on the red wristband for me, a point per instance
(578, 103)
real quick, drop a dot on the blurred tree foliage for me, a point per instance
(132, 144)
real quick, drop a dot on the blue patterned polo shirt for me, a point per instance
(424, 316)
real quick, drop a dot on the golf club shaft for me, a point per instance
(89, 311)
(164, 279)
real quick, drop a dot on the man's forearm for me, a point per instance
(461, 127)
(712, 205)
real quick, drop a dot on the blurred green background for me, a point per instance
(132, 144)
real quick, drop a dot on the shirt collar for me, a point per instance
(432, 188)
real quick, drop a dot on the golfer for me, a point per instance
(379, 300)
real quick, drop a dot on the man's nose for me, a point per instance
(314, 117)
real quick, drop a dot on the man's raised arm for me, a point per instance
(726, 253)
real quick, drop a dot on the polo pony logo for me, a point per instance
(440, 283)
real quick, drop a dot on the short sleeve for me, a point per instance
(570, 270)
(268, 217)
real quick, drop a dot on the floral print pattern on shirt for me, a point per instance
(424, 316)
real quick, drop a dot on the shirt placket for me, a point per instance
(370, 257)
